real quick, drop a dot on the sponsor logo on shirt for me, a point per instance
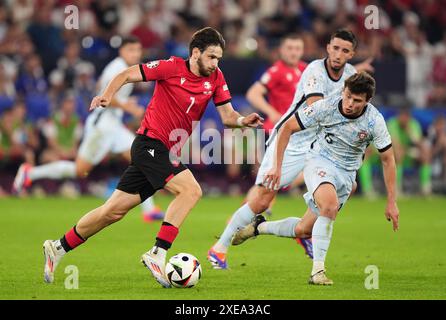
(182, 80)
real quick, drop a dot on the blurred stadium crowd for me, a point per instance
(48, 72)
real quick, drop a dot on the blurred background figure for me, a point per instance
(411, 149)
(41, 62)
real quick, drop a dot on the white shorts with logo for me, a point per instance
(104, 133)
(293, 164)
(319, 170)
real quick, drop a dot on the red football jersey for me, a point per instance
(281, 81)
(180, 97)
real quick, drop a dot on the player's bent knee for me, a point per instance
(303, 231)
(194, 192)
(329, 210)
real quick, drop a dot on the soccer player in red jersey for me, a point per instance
(182, 92)
(279, 82)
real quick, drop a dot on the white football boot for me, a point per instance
(52, 259)
(320, 278)
(155, 261)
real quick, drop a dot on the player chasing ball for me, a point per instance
(347, 124)
(320, 79)
(182, 92)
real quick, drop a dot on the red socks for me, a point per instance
(71, 240)
(166, 235)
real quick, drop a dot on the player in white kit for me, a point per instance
(104, 132)
(321, 78)
(346, 125)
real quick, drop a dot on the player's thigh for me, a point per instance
(121, 202)
(95, 146)
(122, 140)
(184, 183)
(134, 181)
(326, 199)
(322, 183)
(292, 165)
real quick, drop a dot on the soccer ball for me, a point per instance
(183, 270)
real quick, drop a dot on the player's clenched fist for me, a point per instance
(99, 101)
(253, 120)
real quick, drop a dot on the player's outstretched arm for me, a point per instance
(389, 170)
(256, 97)
(272, 178)
(132, 74)
(233, 119)
(366, 65)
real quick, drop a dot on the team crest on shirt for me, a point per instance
(321, 173)
(153, 64)
(207, 86)
(289, 76)
(362, 135)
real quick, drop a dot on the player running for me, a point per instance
(104, 132)
(347, 124)
(321, 78)
(182, 92)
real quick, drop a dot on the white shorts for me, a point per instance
(293, 164)
(319, 170)
(103, 136)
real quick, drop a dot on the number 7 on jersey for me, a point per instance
(191, 104)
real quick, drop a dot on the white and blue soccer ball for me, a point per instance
(183, 270)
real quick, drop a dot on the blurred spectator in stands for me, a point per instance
(22, 12)
(84, 88)
(17, 137)
(46, 37)
(178, 44)
(410, 147)
(418, 53)
(437, 96)
(106, 14)
(63, 132)
(130, 15)
(31, 78)
(68, 62)
(437, 139)
(7, 88)
(149, 38)
(162, 18)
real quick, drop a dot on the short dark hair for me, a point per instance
(360, 83)
(206, 37)
(290, 36)
(346, 35)
(129, 40)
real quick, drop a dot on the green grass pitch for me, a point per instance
(411, 262)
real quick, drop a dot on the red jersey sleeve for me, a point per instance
(158, 69)
(221, 94)
(270, 78)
